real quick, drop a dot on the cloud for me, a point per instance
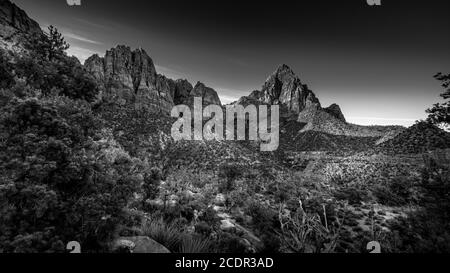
(80, 38)
(105, 26)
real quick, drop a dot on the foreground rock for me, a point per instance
(138, 244)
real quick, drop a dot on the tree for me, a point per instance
(56, 183)
(6, 77)
(47, 67)
(57, 43)
(439, 114)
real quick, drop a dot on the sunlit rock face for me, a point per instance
(129, 77)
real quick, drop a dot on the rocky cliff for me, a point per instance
(14, 26)
(129, 77)
(208, 95)
(285, 88)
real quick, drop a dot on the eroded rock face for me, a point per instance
(208, 95)
(15, 25)
(182, 90)
(335, 111)
(285, 88)
(129, 77)
(13, 16)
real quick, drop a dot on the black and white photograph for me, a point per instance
(241, 128)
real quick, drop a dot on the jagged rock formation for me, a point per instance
(129, 77)
(321, 120)
(182, 90)
(335, 111)
(208, 94)
(14, 26)
(283, 87)
(298, 102)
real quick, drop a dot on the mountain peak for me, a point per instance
(284, 68)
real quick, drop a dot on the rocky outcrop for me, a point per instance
(320, 120)
(13, 16)
(298, 102)
(208, 95)
(285, 88)
(129, 77)
(15, 26)
(138, 244)
(182, 90)
(335, 111)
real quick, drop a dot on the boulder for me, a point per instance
(138, 244)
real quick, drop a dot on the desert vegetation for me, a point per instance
(76, 166)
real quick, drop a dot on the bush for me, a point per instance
(228, 174)
(229, 243)
(194, 244)
(166, 234)
(396, 193)
(56, 184)
(352, 195)
(203, 228)
(47, 67)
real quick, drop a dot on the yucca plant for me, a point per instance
(194, 244)
(165, 234)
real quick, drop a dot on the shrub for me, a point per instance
(194, 244)
(229, 243)
(203, 228)
(354, 196)
(166, 234)
(228, 174)
(56, 183)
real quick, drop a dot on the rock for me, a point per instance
(208, 95)
(15, 27)
(138, 244)
(335, 111)
(189, 195)
(220, 199)
(129, 76)
(226, 224)
(284, 88)
(122, 245)
(156, 202)
(182, 90)
(13, 16)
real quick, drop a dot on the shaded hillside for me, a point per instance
(294, 138)
(419, 138)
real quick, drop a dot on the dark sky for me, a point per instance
(376, 62)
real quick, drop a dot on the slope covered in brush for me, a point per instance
(420, 137)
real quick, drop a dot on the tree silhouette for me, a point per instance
(439, 114)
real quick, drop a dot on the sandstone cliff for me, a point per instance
(129, 77)
(14, 26)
